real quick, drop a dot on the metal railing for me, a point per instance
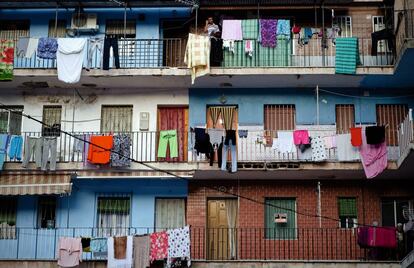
(404, 28)
(406, 134)
(210, 243)
(169, 52)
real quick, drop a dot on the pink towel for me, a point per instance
(373, 157)
(301, 137)
(232, 30)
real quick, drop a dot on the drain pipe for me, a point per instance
(319, 204)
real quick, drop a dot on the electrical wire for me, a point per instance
(218, 189)
(366, 97)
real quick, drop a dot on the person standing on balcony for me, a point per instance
(211, 28)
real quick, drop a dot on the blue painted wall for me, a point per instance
(79, 211)
(251, 103)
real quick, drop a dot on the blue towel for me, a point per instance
(283, 28)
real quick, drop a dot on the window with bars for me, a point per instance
(13, 29)
(345, 24)
(345, 117)
(8, 215)
(52, 118)
(347, 210)
(116, 118)
(391, 116)
(113, 214)
(46, 212)
(11, 122)
(279, 117)
(169, 213)
(280, 208)
(121, 30)
(57, 30)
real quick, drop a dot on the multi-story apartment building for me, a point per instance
(280, 206)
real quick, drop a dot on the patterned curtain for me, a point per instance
(227, 112)
(214, 112)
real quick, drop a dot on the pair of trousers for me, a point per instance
(168, 137)
(4, 138)
(15, 149)
(33, 146)
(95, 46)
(108, 43)
(233, 156)
(49, 145)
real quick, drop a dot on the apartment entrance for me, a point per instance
(221, 229)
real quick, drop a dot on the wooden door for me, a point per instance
(220, 242)
(174, 118)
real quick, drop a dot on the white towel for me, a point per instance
(318, 149)
(346, 152)
(285, 142)
(69, 58)
(31, 47)
(119, 263)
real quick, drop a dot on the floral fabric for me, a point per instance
(159, 246)
(122, 145)
(268, 33)
(6, 59)
(47, 48)
(179, 244)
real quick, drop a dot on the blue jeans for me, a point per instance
(233, 156)
(15, 149)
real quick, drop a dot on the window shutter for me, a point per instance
(347, 207)
(280, 230)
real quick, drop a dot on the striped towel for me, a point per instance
(347, 55)
(197, 55)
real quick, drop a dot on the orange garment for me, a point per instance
(98, 155)
(356, 136)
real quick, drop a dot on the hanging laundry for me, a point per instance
(112, 261)
(179, 245)
(49, 153)
(33, 146)
(120, 247)
(377, 237)
(100, 149)
(121, 151)
(4, 140)
(69, 252)
(69, 59)
(168, 137)
(110, 42)
(305, 147)
(243, 133)
(99, 246)
(345, 150)
(216, 135)
(229, 144)
(47, 48)
(347, 55)
(306, 35)
(356, 136)
(21, 47)
(283, 28)
(373, 157)
(216, 52)
(159, 246)
(330, 141)
(197, 55)
(296, 29)
(6, 59)
(15, 148)
(375, 134)
(32, 47)
(268, 33)
(284, 142)
(232, 30)
(301, 137)
(317, 31)
(142, 251)
(229, 45)
(318, 149)
(248, 48)
(95, 52)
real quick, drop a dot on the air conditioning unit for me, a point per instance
(84, 22)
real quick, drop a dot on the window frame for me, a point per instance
(121, 106)
(45, 120)
(19, 108)
(11, 229)
(354, 223)
(395, 200)
(271, 126)
(338, 108)
(276, 236)
(42, 201)
(113, 230)
(169, 198)
(339, 20)
(61, 23)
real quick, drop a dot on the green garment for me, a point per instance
(168, 137)
(347, 55)
(6, 59)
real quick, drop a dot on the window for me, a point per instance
(46, 212)
(345, 24)
(392, 210)
(121, 30)
(347, 212)
(280, 218)
(169, 213)
(378, 24)
(8, 211)
(57, 30)
(113, 215)
(52, 118)
(116, 118)
(279, 117)
(13, 29)
(11, 122)
(345, 117)
(391, 115)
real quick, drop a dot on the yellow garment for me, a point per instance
(197, 55)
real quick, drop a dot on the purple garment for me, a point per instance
(47, 47)
(373, 157)
(268, 33)
(232, 30)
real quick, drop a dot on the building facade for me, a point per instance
(280, 206)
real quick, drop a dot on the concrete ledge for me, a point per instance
(48, 264)
(294, 264)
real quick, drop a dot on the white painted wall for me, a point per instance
(90, 107)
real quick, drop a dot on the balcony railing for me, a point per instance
(302, 244)
(257, 147)
(169, 52)
(404, 28)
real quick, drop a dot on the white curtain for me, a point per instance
(231, 207)
(169, 213)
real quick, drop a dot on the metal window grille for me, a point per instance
(345, 24)
(117, 28)
(60, 30)
(46, 212)
(279, 117)
(116, 118)
(11, 122)
(113, 214)
(13, 29)
(52, 116)
(391, 116)
(8, 211)
(345, 117)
